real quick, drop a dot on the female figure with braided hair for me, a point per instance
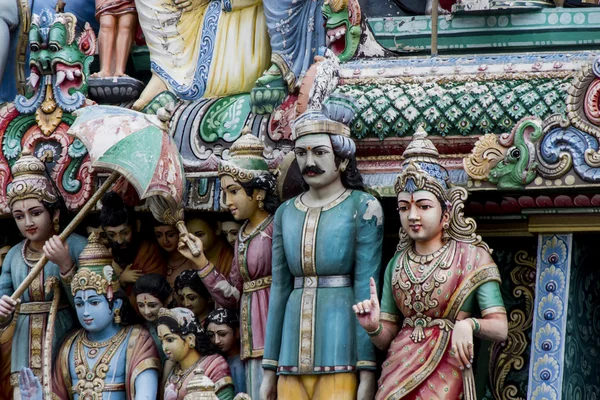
(35, 206)
(441, 269)
(185, 343)
(250, 194)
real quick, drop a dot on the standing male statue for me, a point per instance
(326, 245)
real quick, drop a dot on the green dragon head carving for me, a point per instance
(342, 27)
(518, 168)
(59, 59)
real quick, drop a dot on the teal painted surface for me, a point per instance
(542, 30)
(582, 353)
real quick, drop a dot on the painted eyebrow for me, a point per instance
(233, 184)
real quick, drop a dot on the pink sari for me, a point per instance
(421, 366)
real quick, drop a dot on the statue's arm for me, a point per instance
(367, 264)
(226, 293)
(146, 385)
(283, 284)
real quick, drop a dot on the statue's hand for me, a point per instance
(268, 387)
(29, 385)
(8, 306)
(170, 392)
(184, 249)
(58, 252)
(130, 275)
(462, 343)
(368, 311)
(367, 386)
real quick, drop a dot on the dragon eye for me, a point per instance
(34, 46)
(515, 154)
(54, 47)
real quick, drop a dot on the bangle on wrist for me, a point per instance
(476, 325)
(376, 331)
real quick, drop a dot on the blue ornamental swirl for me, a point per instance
(28, 106)
(207, 46)
(575, 142)
(67, 102)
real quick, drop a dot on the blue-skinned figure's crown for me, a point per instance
(95, 269)
(421, 169)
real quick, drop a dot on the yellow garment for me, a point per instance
(342, 386)
(6, 390)
(242, 51)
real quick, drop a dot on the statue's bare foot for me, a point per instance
(269, 91)
(99, 75)
(153, 88)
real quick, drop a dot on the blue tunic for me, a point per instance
(30, 331)
(308, 329)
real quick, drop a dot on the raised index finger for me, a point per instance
(373, 288)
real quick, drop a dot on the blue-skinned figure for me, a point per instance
(105, 358)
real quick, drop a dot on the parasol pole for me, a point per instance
(39, 266)
(434, 27)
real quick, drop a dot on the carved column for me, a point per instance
(550, 316)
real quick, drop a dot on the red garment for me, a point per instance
(447, 4)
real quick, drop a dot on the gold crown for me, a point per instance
(30, 181)
(95, 269)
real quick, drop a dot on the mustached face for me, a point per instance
(316, 160)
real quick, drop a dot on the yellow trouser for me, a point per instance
(342, 386)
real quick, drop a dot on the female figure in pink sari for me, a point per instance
(441, 269)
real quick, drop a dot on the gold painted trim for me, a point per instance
(258, 284)
(563, 223)
(383, 316)
(221, 383)
(203, 273)
(424, 371)
(360, 364)
(483, 274)
(271, 363)
(307, 332)
(493, 310)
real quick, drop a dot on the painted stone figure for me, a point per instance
(104, 358)
(326, 244)
(152, 292)
(440, 274)
(36, 209)
(230, 229)
(251, 196)
(216, 249)
(118, 21)
(206, 48)
(133, 256)
(185, 343)
(223, 329)
(193, 295)
(167, 238)
(296, 29)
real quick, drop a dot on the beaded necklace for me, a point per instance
(177, 376)
(92, 380)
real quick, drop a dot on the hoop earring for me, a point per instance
(117, 317)
(261, 203)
